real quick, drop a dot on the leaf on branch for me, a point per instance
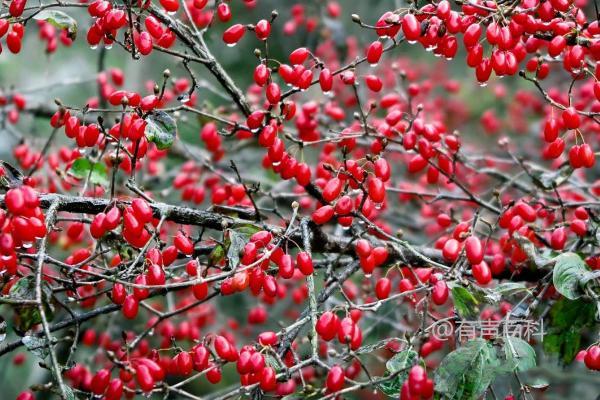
(548, 180)
(60, 20)
(37, 346)
(538, 383)
(3, 327)
(569, 270)
(12, 176)
(82, 168)
(247, 229)
(274, 363)
(509, 288)
(567, 318)
(235, 240)
(235, 244)
(466, 373)
(29, 315)
(531, 251)
(466, 302)
(520, 356)
(399, 364)
(69, 394)
(370, 348)
(216, 255)
(161, 129)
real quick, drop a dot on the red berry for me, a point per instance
(233, 34)
(439, 293)
(130, 307)
(474, 250)
(304, 263)
(482, 273)
(335, 379)
(383, 287)
(327, 325)
(374, 52)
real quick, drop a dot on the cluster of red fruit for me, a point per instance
(591, 357)
(20, 225)
(370, 177)
(558, 28)
(202, 16)
(144, 371)
(418, 386)
(257, 255)
(234, 33)
(136, 372)
(15, 36)
(309, 22)
(133, 218)
(515, 219)
(48, 32)
(347, 331)
(17, 99)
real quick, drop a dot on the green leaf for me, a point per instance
(509, 288)
(236, 244)
(247, 229)
(369, 348)
(399, 364)
(235, 240)
(37, 346)
(82, 168)
(466, 373)
(519, 354)
(401, 361)
(60, 20)
(538, 383)
(274, 363)
(391, 387)
(70, 395)
(161, 129)
(216, 255)
(12, 176)
(28, 315)
(569, 269)
(566, 322)
(466, 302)
(548, 180)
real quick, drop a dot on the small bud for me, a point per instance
(166, 73)
(257, 53)
(295, 205)
(356, 18)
